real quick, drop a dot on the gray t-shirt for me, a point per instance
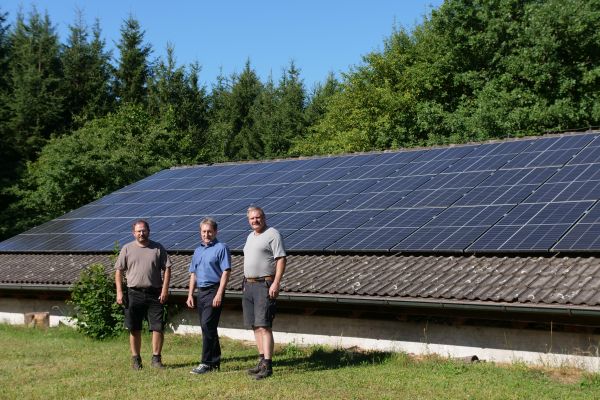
(261, 251)
(143, 265)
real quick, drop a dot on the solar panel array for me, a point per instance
(534, 195)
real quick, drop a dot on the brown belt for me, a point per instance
(267, 278)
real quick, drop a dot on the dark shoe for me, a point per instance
(157, 362)
(256, 369)
(136, 362)
(265, 372)
(204, 368)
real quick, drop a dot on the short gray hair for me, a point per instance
(255, 208)
(209, 221)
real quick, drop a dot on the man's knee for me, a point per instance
(262, 330)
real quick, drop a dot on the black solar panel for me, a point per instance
(534, 195)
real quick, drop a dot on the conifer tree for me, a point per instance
(36, 105)
(133, 69)
(292, 98)
(319, 98)
(243, 142)
(9, 155)
(87, 73)
(176, 97)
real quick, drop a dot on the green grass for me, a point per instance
(61, 363)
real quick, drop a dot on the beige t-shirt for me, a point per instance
(143, 265)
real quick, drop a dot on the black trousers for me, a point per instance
(209, 321)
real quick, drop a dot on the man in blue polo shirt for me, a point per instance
(209, 271)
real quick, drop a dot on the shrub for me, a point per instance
(93, 296)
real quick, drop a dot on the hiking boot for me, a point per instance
(136, 362)
(256, 369)
(265, 371)
(204, 368)
(157, 362)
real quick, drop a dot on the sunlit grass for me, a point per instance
(61, 363)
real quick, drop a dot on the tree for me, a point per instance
(290, 122)
(133, 70)
(243, 141)
(265, 114)
(9, 153)
(102, 156)
(317, 108)
(220, 122)
(87, 74)
(36, 106)
(176, 98)
(474, 70)
(319, 98)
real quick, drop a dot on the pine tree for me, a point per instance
(219, 118)
(36, 106)
(265, 113)
(133, 70)
(290, 113)
(318, 100)
(176, 97)
(86, 66)
(9, 155)
(243, 142)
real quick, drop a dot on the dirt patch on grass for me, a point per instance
(564, 375)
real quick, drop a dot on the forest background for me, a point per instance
(78, 122)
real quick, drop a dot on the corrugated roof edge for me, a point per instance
(539, 282)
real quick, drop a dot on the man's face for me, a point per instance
(256, 220)
(207, 233)
(141, 233)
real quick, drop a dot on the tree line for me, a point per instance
(77, 121)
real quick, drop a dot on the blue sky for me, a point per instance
(320, 36)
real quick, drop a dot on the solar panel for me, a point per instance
(453, 229)
(533, 195)
(531, 227)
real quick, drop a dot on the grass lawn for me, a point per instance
(61, 363)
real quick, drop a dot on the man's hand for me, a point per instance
(217, 300)
(274, 290)
(164, 295)
(190, 301)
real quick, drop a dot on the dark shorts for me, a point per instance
(144, 305)
(259, 309)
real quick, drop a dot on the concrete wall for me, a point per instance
(536, 347)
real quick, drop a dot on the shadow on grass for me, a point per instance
(302, 359)
(324, 358)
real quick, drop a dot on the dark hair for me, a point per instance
(209, 221)
(140, 221)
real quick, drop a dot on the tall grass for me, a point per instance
(61, 363)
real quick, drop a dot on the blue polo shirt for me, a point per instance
(209, 262)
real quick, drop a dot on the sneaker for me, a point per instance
(157, 362)
(204, 368)
(265, 372)
(136, 362)
(256, 369)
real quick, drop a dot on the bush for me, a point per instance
(93, 296)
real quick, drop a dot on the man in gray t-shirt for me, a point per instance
(147, 267)
(264, 265)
